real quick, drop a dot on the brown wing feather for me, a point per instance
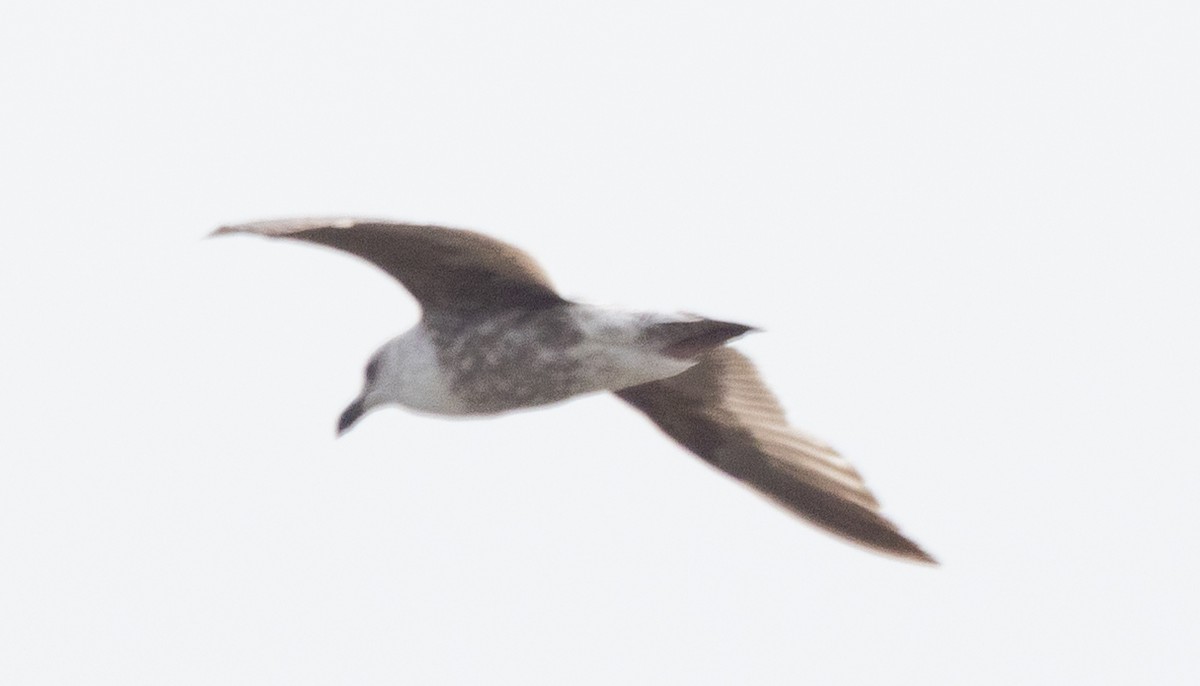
(444, 269)
(721, 411)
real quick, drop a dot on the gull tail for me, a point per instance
(689, 339)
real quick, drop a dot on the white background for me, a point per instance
(971, 232)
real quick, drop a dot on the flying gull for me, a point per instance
(495, 336)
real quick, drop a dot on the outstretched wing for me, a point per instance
(721, 411)
(444, 269)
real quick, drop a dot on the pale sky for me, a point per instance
(970, 232)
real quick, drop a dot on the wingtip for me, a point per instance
(887, 541)
(222, 230)
(282, 228)
(911, 552)
(923, 558)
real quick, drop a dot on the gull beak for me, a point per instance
(350, 415)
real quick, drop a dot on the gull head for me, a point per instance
(405, 372)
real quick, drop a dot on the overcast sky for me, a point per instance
(970, 232)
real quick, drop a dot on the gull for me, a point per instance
(495, 336)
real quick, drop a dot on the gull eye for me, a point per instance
(372, 370)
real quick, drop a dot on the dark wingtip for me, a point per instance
(921, 557)
(902, 548)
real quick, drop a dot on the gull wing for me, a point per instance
(445, 269)
(721, 411)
